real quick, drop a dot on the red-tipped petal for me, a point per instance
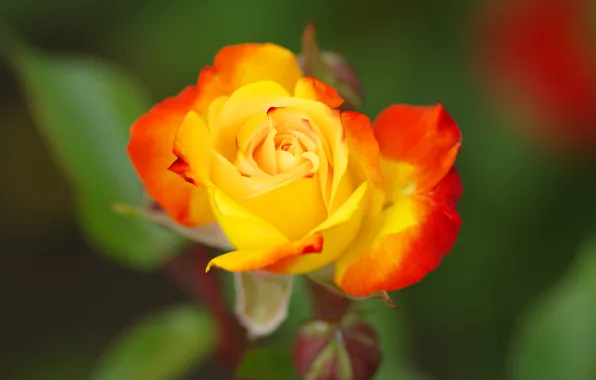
(424, 138)
(407, 242)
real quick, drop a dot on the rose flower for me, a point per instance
(295, 184)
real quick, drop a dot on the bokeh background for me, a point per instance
(516, 298)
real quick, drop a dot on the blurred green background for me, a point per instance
(516, 298)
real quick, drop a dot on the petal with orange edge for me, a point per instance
(312, 88)
(242, 64)
(150, 150)
(405, 243)
(255, 259)
(210, 87)
(193, 148)
(422, 141)
(363, 146)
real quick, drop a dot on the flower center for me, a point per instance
(273, 146)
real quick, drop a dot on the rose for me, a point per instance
(294, 183)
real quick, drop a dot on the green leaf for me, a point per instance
(557, 339)
(267, 363)
(162, 347)
(83, 109)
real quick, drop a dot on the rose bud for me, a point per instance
(345, 351)
(331, 68)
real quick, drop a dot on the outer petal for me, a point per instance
(150, 150)
(312, 88)
(405, 243)
(256, 259)
(239, 65)
(422, 142)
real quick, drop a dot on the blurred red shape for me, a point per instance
(539, 55)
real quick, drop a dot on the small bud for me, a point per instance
(337, 351)
(331, 68)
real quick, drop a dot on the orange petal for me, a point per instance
(256, 259)
(239, 65)
(363, 145)
(312, 88)
(150, 150)
(405, 243)
(425, 139)
(210, 87)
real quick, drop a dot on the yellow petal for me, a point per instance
(255, 259)
(294, 209)
(244, 103)
(200, 206)
(193, 146)
(228, 178)
(264, 155)
(244, 229)
(214, 112)
(338, 230)
(328, 121)
(310, 133)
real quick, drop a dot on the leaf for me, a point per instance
(161, 347)
(266, 363)
(262, 301)
(83, 109)
(557, 339)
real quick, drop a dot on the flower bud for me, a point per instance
(331, 68)
(337, 351)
